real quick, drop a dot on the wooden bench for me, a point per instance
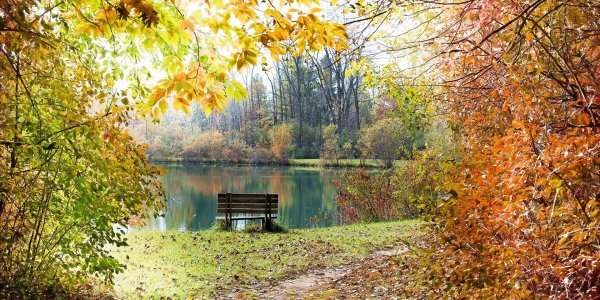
(253, 207)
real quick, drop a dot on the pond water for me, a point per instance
(306, 195)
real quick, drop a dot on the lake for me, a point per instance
(306, 195)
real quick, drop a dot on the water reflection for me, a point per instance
(306, 196)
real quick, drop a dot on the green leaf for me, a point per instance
(235, 90)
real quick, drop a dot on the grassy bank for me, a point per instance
(369, 163)
(304, 162)
(197, 264)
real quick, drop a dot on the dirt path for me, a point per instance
(321, 283)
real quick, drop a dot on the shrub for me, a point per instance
(418, 182)
(207, 146)
(219, 225)
(58, 214)
(278, 228)
(260, 156)
(348, 150)
(384, 141)
(281, 141)
(165, 140)
(403, 192)
(156, 147)
(368, 197)
(235, 151)
(255, 136)
(256, 227)
(311, 142)
(330, 151)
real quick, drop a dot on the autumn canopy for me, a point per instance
(511, 196)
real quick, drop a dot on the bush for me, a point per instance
(403, 192)
(348, 150)
(281, 141)
(58, 217)
(207, 146)
(418, 182)
(278, 228)
(255, 136)
(330, 152)
(257, 228)
(369, 197)
(235, 151)
(384, 141)
(260, 156)
(219, 225)
(165, 140)
(311, 142)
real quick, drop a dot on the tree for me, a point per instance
(281, 141)
(384, 141)
(519, 84)
(531, 147)
(330, 151)
(348, 150)
(71, 178)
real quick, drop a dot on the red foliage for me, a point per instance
(525, 219)
(366, 197)
(384, 109)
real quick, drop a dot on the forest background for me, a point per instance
(495, 104)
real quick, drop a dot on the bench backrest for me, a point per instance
(247, 203)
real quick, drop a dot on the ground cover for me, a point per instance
(206, 263)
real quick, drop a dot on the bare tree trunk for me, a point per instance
(356, 103)
(274, 99)
(299, 77)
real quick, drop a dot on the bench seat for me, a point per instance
(263, 206)
(245, 218)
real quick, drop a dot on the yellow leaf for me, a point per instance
(235, 90)
(162, 105)
(529, 36)
(155, 96)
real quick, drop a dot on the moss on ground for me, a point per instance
(197, 264)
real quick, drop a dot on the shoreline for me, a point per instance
(305, 162)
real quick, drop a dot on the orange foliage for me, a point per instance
(525, 96)
(281, 139)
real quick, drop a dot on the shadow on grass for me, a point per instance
(220, 225)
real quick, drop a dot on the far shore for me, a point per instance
(303, 162)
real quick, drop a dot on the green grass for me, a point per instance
(303, 162)
(196, 264)
(373, 163)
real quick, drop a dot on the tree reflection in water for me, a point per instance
(307, 196)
